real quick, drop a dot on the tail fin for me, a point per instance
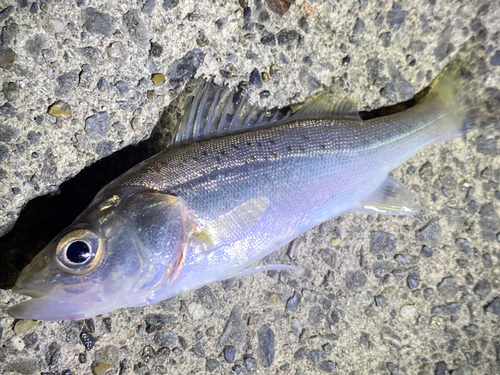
(461, 90)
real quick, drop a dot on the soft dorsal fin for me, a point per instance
(217, 110)
(332, 103)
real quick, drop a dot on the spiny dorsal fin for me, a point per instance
(331, 103)
(217, 110)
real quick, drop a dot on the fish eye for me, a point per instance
(79, 252)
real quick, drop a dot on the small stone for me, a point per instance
(23, 326)
(8, 110)
(4, 152)
(7, 57)
(148, 6)
(382, 242)
(256, 79)
(170, 4)
(496, 271)
(391, 338)
(155, 50)
(275, 70)
(212, 364)
(98, 125)
(122, 87)
(441, 368)
(100, 368)
(52, 353)
(327, 366)
(237, 369)
(148, 354)
(495, 59)
(251, 364)
(158, 78)
(165, 338)
(116, 51)
(11, 91)
(221, 23)
(196, 310)
(102, 85)
(33, 137)
(386, 42)
(335, 241)
(408, 311)
(268, 39)
(229, 353)
(87, 340)
(59, 109)
(135, 27)
(186, 67)
(489, 222)
(284, 366)
(380, 300)
(107, 323)
(389, 92)
(278, 6)
(392, 368)
(463, 245)
(96, 22)
(202, 40)
(17, 343)
(471, 330)
(430, 234)
(287, 37)
(8, 133)
(426, 171)
(413, 280)
(266, 344)
(6, 12)
(487, 146)
(447, 288)
(396, 18)
(448, 309)
(30, 340)
(359, 26)
(355, 279)
(105, 148)
(494, 306)
(482, 288)
(426, 252)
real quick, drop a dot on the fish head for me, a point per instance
(117, 253)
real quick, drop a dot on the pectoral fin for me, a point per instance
(391, 198)
(238, 220)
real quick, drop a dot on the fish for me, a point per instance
(236, 183)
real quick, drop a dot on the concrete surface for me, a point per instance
(380, 295)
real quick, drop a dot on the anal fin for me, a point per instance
(391, 198)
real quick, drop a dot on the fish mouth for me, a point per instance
(59, 305)
(31, 290)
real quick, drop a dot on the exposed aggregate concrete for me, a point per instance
(378, 295)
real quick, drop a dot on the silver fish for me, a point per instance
(236, 184)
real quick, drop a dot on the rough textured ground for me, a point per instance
(379, 295)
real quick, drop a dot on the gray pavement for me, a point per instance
(378, 295)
